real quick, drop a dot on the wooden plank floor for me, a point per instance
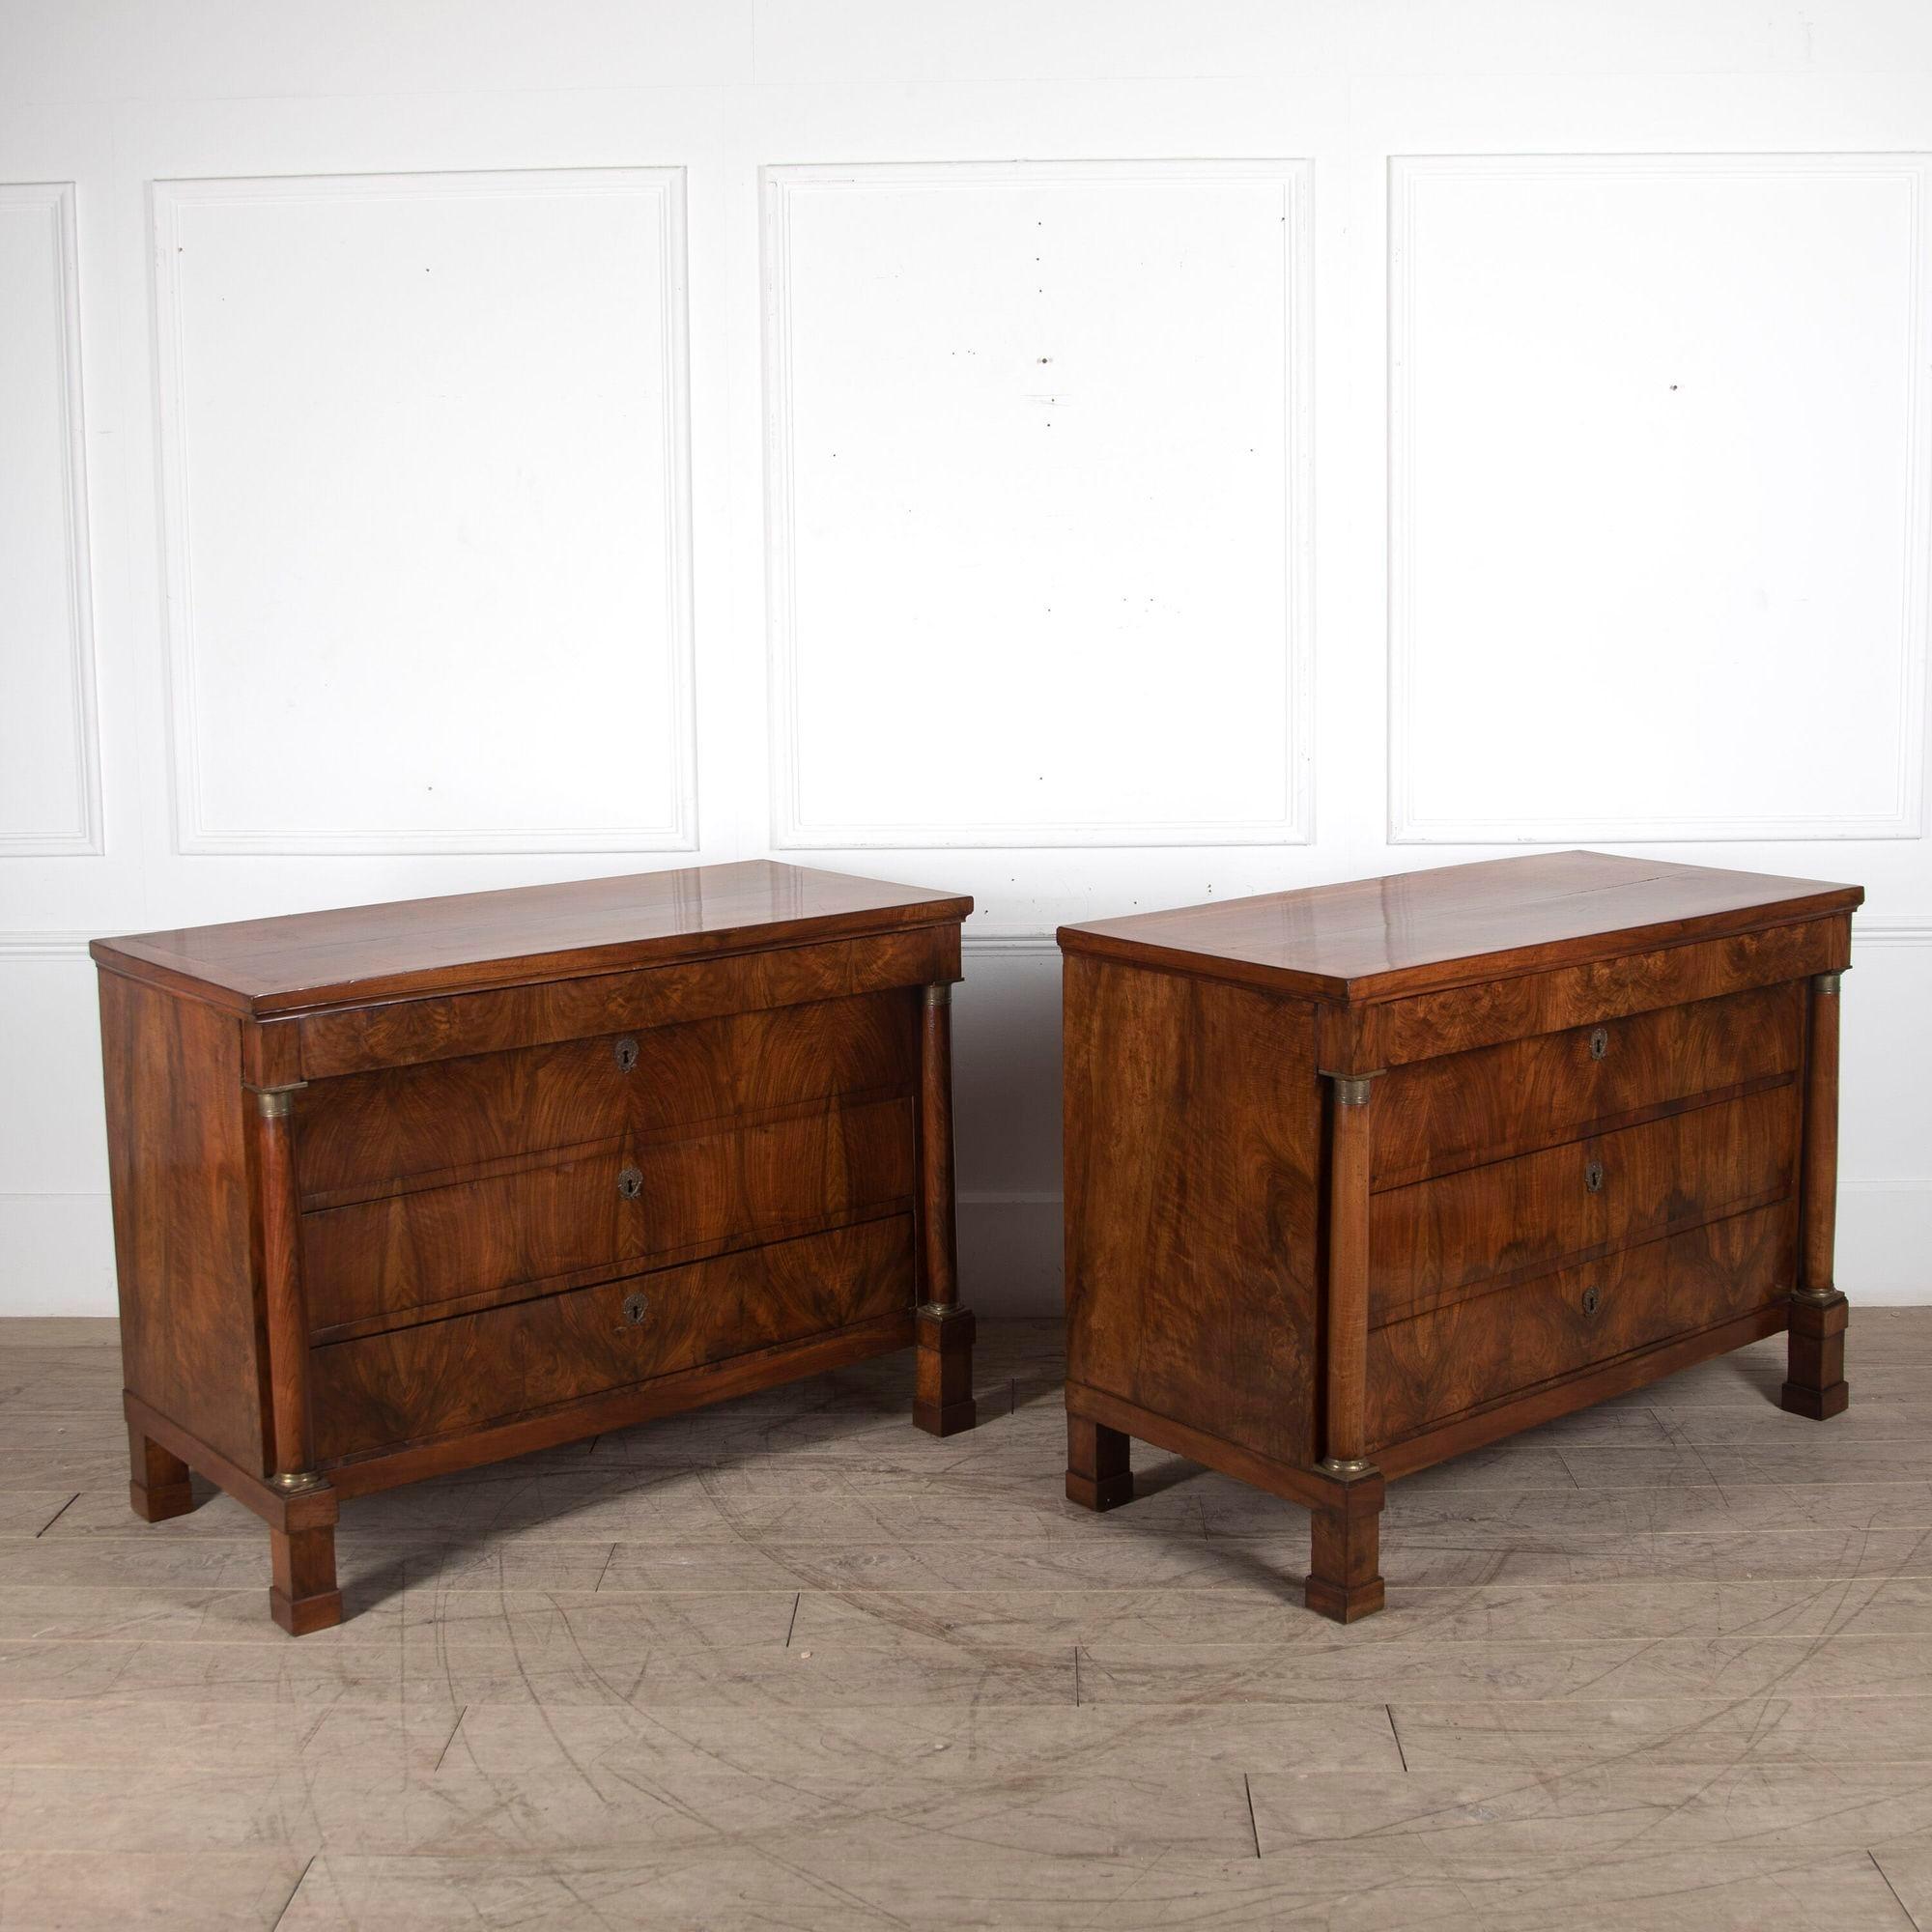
(789, 1662)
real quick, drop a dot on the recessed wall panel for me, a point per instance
(1658, 453)
(50, 802)
(1038, 567)
(426, 476)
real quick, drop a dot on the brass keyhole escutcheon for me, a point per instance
(1593, 1176)
(1592, 1298)
(637, 1305)
(1599, 1043)
(630, 1184)
(626, 1054)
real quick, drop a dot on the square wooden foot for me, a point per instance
(1816, 1384)
(943, 1392)
(303, 1597)
(1344, 1572)
(1098, 1475)
(160, 1485)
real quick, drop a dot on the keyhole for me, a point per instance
(626, 1055)
(1593, 1176)
(637, 1305)
(1600, 1043)
(630, 1184)
(1591, 1298)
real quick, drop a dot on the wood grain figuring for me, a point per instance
(524, 936)
(362, 1133)
(178, 1167)
(360, 1039)
(1466, 1108)
(1433, 1366)
(1193, 1115)
(568, 1214)
(1378, 939)
(1418, 1029)
(1564, 1117)
(409, 1189)
(1435, 1240)
(416, 1383)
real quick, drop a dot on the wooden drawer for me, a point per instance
(1435, 1116)
(416, 1383)
(1434, 1241)
(356, 1039)
(358, 1135)
(604, 1209)
(1436, 1366)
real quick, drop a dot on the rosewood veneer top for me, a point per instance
(363, 954)
(1414, 932)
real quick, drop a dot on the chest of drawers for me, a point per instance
(404, 1189)
(1361, 1176)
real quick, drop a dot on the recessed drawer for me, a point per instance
(1435, 1116)
(415, 1383)
(1434, 1241)
(605, 1208)
(357, 1135)
(1435, 1365)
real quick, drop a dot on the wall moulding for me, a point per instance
(1738, 607)
(796, 558)
(655, 387)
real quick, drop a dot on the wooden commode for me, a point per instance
(1361, 1176)
(407, 1188)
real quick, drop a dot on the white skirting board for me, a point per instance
(57, 1250)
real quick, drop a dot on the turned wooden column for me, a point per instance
(303, 1597)
(1344, 1578)
(943, 1401)
(1815, 1371)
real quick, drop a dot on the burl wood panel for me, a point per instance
(1434, 1115)
(1435, 1365)
(412, 1384)
(178, 1163)
(1437, 1238)
(365, 1133)
(357, 1038)
(573, 1211)
(1192, 1119)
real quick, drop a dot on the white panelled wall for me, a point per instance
(1093, 454)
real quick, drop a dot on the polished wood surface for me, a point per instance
(409, 1386)
(384, 1212)
(1463, 1109)
(369, 1133)
(607, 1209)
(1374, 938)
(1567, 1123)
(526, 934)
(1193, 1150)
(356, 1039)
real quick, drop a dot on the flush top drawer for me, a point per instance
(1434, 1115)
(602, 1209)
(1435, 1365)
(416, 1383)
(358, 1135)
(1434, 1241)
